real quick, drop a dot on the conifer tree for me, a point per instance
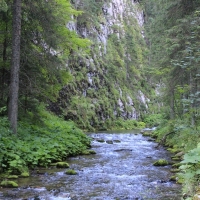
(15, 66)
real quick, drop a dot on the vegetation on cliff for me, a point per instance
(107, 83)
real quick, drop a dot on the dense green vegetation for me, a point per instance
(98, 82)
(46, 44)
(173, 36)
(39, 142)
(54, 73)
(106, 84)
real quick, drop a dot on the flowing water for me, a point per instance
(122, 169)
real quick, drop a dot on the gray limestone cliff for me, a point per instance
(108, 82)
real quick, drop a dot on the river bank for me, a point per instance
(122, 168)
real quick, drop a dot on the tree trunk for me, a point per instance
(172, 112)
(15, 65)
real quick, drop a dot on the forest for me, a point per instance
(173, 37)
(59, 80)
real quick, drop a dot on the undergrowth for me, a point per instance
(39, 144)
(185, 138)
(129, 124)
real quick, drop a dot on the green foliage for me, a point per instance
(39, 145)
(130, 124)
(3, 6)
(46, 44)
(183, 138)
(174, 61)
(9, 184)
(191, 170)
(153, 120)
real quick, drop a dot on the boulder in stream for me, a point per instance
(62, 165)
(71, 172)
(147, 133)
(109, 141)
(88, 152)
(161, 162)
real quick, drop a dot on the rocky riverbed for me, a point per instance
(121, 169)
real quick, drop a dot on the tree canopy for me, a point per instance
(46, 44)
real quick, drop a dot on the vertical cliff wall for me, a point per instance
(108, 82)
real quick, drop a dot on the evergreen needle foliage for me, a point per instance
(172, 30)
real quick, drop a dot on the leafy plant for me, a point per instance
(51, 140)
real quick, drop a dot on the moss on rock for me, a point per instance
(173, 178)
(173, 150)
(175, 170)
(88, 152)
(147, 133)
(62, 165)
(176, 165)
(12, 177)
(24, 174)
(176, 158)
(180, 181)
(179, 154)
(71, 172)
(9, 184)
(161, 162)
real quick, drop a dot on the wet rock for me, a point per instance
(161, 162)
(100, 140)
(37, 198)
(176, 165)
(41, 172)
(109, 141)
(88, 152)
(149, 157)
(55, 191)
(62, 165)
(176, 158)
(180, 154)
(151, 140)
(146, 133)
(24, 175)
(9, 184)
(116, 141)
(173, 178)
(173, 150)
(175, 170)
(123, 150)
(71, 172)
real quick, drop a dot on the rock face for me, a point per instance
(108, 82)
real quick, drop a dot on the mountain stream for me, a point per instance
(121, 169)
